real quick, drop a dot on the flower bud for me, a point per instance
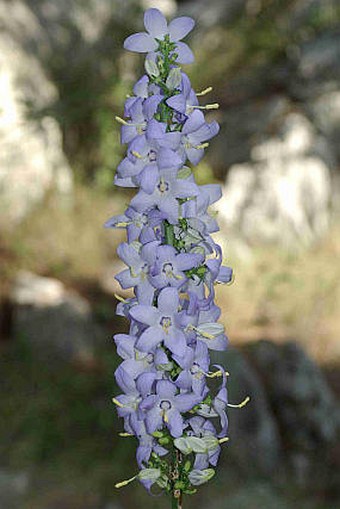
(149, 474)
(197, 477)
(151, 68)
(174, 79)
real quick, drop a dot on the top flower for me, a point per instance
(157, 29)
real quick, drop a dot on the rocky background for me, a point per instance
(275, 69)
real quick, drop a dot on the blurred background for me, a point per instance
(275, 69)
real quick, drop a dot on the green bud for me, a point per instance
(210, 442)
(198, 477)
(149, 474)
(162, 481)
(174, 78)
(163, 441)
(151, 68)
(182, 444)
(157, 434)
(196, 444)
(187, 466)
(179, 485)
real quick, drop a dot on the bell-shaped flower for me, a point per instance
(147, 445)
(140, 113)
(167, 191)
(137, 224)
(183, 102)
(195, 365)
(204, 428)
(162, 322)
(136, 362)
(168, 266)
(165, 408)
(137, 274)
(157, 28)
(196, 131)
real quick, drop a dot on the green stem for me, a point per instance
(176, 502)
(169, 233)
(176, 497)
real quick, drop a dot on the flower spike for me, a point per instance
(169, 400)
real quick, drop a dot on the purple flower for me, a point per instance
(156, 30)
(137, 274)
(196, 131)
(167, 190)
(162, 322)
(165, 408)
(168, 397)
(183, 103)
(168, 266)
(203, 428)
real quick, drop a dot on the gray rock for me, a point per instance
(325, 111)
(13, 487)
(255, 444)
(253, 495)
(300, 398)
(31, 159)
(284, 194)
(55, 321)
(244, 125)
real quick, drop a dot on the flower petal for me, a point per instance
(153, 420)
(180, 27)
(177, 102)
(145, 293)
(145, 382)
(175, 423)
(185, 261)
(149, 339)
(141, 87)
(168, 301)
(166, 389)
(125, 279)
(140, 43)
(185, 55)
(167, 158)
(194, 122)
(185, 402)
(155, 23)
(149, 178)
(175, 341)
(145, 314)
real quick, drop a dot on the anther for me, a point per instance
(118, 403)
(125, 483)
(240, 405)
(216, 374)
(204, 92)
(203, 145)
(121, 121)
(118, 297)
(213, 106)
(223, 440)
(136, 154)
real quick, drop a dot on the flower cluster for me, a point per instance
(173, 265)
